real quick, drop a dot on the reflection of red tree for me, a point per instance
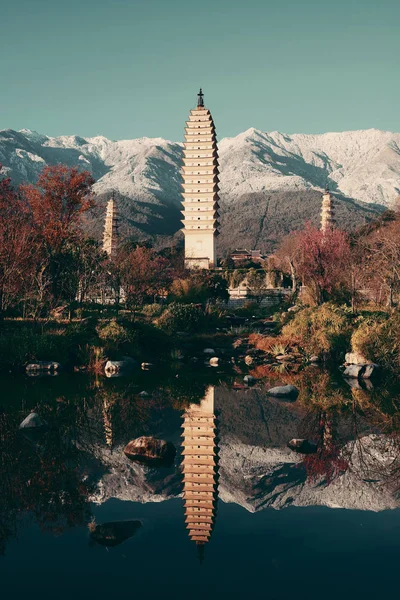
(55, 494)
(42, 480)
(328, 462)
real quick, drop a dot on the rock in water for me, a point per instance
(249, 379)
(114, 367)
(146, 366)
(43, 365)
(284, 391)
(353, 370)
(34, 422)
(302, 446)
(151, 451)
(113, 533)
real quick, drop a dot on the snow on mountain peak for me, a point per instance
(363, 165)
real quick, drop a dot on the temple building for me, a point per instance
(110, 237)
(200, 469)
(200, 189)
(327, 211)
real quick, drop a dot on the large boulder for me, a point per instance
(151, 451)
(113, 533)
(284, 391)
(355, 358)
(302, 446)
(114, 367)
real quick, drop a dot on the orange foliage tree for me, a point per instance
(58, 201)
(17, 245)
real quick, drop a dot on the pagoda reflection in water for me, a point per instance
(200, 468)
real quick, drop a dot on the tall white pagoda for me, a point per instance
(200, 189)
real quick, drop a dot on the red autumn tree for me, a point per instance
(143, 274)
(16, 246)
(59, 199)
(382, 261)
(57, 203)
(323, 262)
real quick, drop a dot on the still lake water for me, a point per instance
(282, 525)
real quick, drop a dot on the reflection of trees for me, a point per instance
(329, 460)
(50, 478)
(376, 451)
(356, 430)
(325, 424)
(41, 478)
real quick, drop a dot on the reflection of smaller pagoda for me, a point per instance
(199, 468)
(108, 421)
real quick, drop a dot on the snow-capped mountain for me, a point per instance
(264, 176)
(363, 165)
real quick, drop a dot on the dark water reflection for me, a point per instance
(338, 502)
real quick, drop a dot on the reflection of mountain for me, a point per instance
(256, 469)
(199, 468)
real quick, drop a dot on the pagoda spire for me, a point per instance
(200, 99)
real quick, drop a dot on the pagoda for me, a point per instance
(200, 188)
(110, 237)
(200, 469)
(327, 211)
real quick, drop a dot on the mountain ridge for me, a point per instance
(361, 167)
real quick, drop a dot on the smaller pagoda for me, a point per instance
(327, 211)
(110, 237)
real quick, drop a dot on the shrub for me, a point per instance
(325, 328)
(152, 310)
(113, 334)
(188, 290)
(273, 345)
(379, 341)
(182, 317)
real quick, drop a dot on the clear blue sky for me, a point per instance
(132, 68)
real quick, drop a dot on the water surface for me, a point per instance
(283, 524)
